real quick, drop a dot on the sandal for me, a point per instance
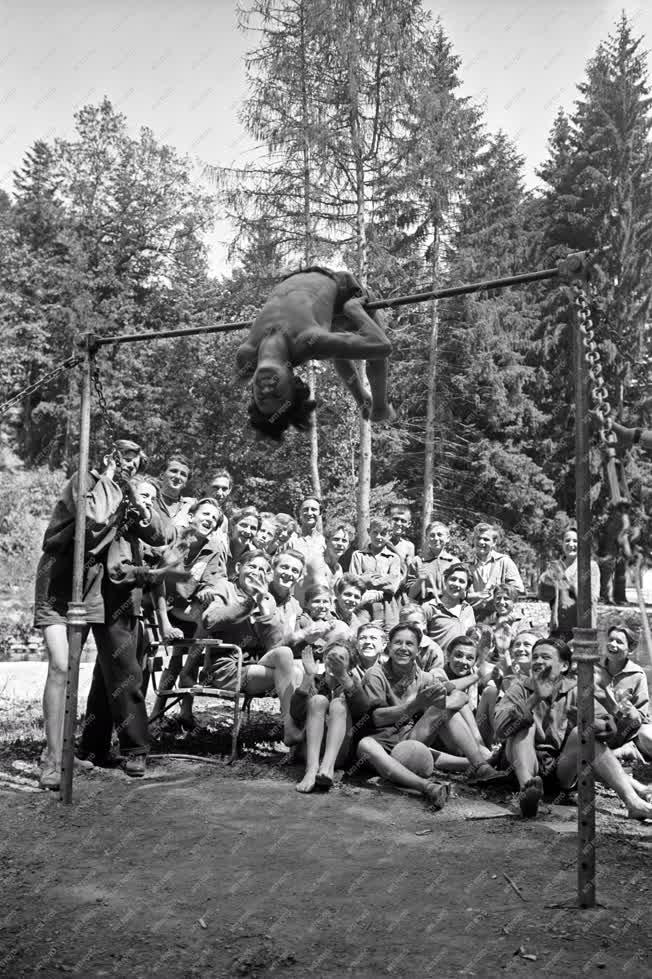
(437, 794)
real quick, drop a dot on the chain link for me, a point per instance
(597, 386)
(70, 362)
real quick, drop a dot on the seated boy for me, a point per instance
(371, 642)
(379, 566)
(398, 692)
(317, 625)
(319, 703)
(536, 719)
(450, 615)
(245, 614)
(622, 689)
(348, 602)
(431, 655)
(425, 574)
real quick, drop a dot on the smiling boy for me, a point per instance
(379, 567)
(450, 615)
(536, 720)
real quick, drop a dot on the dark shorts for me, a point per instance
(348, 286)
(547, 760)
(223, 675)
(53, 591)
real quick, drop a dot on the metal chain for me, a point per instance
(104, 408)
(70, 362)
(597, 386)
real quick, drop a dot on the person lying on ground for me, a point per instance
(431, 655)
(450, 615)
(536, 720)
(407, 703)
(313, 314)
(321, 716)
(180, 604)
(105, 507)
(379, 567)
(514, 665)
(425, 574)
(558, 587)
(488, 569)
(245, 614)
(622, 690)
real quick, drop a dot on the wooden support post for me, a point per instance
(585, 641)
(76, 610)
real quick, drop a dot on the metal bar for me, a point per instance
(76, 610)
(585, 638)
(417, 297)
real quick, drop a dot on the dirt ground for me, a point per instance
(206, 870)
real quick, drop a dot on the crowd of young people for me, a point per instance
(410, 665)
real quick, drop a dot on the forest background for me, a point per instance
(368, 158)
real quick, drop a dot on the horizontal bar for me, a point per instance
(422, 297)
(417, 297)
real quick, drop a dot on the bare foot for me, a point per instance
(645, 791)
(437, 793)
(307, 783)
(642, 811)
(383, 413)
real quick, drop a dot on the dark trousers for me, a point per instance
(116, 699)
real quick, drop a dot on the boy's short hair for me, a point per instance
(437, 523)
(296, 411)
(222, 474)
(333, 526)
(349, 580)
(178, 457)
(507, 590)
(562, 647)
(290, 552)
(213, 502)
(483, 528)
(379, 523)
(400, 508)
(632, 639)
(306, 498)
(245, 511)
(347, 644)
(139, 478)
(285, 521)
(401, 626)
(411, 609)
(314, 591)
(250, 556)
(376, 626)
(453, 568)
(461, 641)
(267, 515)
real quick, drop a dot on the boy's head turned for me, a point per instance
(552, 656)
(461, 655)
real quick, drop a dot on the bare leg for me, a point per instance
(608, 769)
(315, 723)
(485, 714)
(350, 374)
(279, 666)
(467, 714)
(643, 741)
(446, 762)
(395, 772)
(54, 694)
(453, 731)
(521, 755)
(337, 722)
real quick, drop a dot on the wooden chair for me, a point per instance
(154, 663)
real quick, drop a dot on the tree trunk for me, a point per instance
(308, 251)
(364, 463)
(429, 441)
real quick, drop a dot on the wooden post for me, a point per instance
(76, 609)
(585, 639)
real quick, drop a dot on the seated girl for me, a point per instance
(243, 525)
(515, 664)
(348, 602)
(319, 710)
